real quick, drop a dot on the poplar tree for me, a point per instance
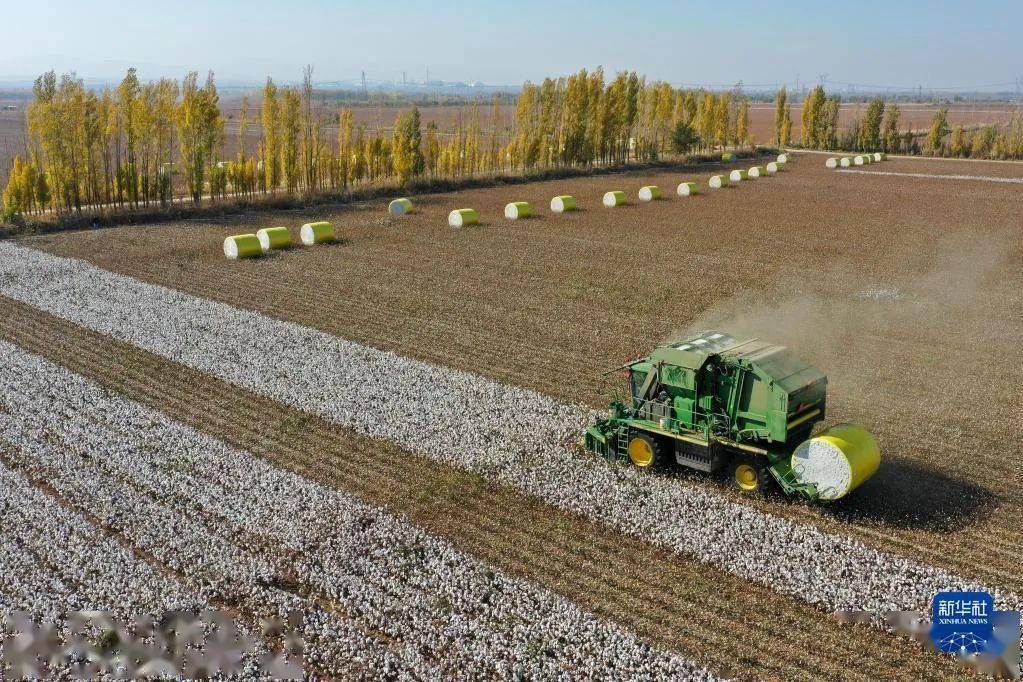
(939, 129)
(891, 129)
(780, 101)
(742, 134)
(271, 145)
(870, 129)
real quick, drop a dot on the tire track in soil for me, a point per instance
(731, 626)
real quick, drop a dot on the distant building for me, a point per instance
(10, 107)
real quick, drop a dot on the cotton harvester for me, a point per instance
(716, 403)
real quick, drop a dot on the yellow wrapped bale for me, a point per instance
(242, 246)
(271, 238)
(649, 193)
(518, 209)
(880, 156)
(461, 217)
(563, 203)
(400, 206)
(718, 181)
(316, 233)
(687, 189)
(727, 157)
(837, 461)
(615, 198)
(738, 175)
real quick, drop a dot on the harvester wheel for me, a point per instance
(749, 475)
(644, 450)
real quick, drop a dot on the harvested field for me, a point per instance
(680, 605)
(891, 285)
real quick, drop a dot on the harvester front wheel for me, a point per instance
(644, 451)
(749, 476)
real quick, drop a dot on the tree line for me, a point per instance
(148, 144)
(879, 131)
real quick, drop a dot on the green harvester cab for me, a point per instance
(714, 403)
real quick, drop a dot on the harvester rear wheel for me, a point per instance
(749, 475)
(644, 451)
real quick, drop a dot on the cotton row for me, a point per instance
(248, 531)
(509, 434)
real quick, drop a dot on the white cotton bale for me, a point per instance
(615, 198)
(649, 193)
(687, 189)
(860, 160)
(837, 460)
(242, 246)
(868, 159)
(271, 238)
(717, 181)
(757, 172)
(880, 156)
(400, 206)
(316, 233)
(771, 167)
(845, 161)
(461, 217)
(832, 162)
(783, 158)
(518, 209)
(563, 203)
(738, 175)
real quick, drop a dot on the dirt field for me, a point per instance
(680, 605)
(903, 290)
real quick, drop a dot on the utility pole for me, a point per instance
(403, 83)
(365, 93)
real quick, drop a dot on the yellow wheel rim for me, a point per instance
(640, 452)
(746, 477)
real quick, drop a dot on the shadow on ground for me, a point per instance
(904, 494)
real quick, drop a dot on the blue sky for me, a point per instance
(933, 44)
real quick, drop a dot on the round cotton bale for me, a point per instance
(837, 460)
(316, 233)
(649, 193)
(756, 172)
(771, 167)
(687, 189)
(845, 161)
(881, 156)
(784, 158)
(738, 175)
(859, 160)
(868, 159)
(726, 157)
(718, 181)
(518, 209)
(463, 216)
(274, 238)
(400, 206)
(562, 203)
(832, 162)
(242, 246)
(615, 198)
